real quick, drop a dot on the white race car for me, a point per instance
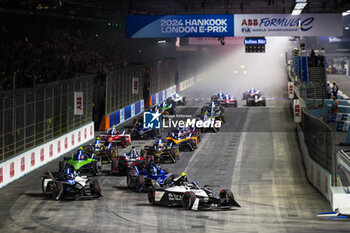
(177, 99)
(190, 196)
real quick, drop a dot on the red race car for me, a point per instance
(224, 100)
(113, 136)
(121, 163)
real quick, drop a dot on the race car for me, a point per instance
(139, 132)
(224, 100)
(250, 93)
(177, 99)
(183, 140)
(82, 162)
(101, 152)
(189, 195)
(114, 137)
(142, 175)
(212, 112)
(65, 185)
(256, 100)
(165, 108)
(162, 151)
(121, 163)
(195, 132)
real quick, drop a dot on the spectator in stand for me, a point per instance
(313, 59)
(335, 90)
(329, 91)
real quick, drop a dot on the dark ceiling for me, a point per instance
(117, 9)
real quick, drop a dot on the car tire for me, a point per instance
(94, 166)
(188, 200)
(95, 189)
(151, 195)
(139, 182)
(61, 166)
(114, 165)
(227, 196)
(123, 139)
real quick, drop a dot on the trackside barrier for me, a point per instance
(163, 95)
(318, 176)
(22, 164)
(186, 84)
(341, 195)
(124, 114)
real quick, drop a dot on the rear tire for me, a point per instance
(61, 166)
(151, 195)
(95, 189)
(123, 139)
(139, 183)
(188, 200)
(114, 165)
(95, 167)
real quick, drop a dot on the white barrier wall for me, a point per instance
(318, 176)
(22, 164)
(186, 84)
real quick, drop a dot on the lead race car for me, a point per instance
(256, 99)
(224, 100)
(190, 196)
(177, 99)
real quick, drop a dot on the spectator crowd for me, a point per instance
(61, 57)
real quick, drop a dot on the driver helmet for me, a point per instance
(154, 170)
(176, 95)
(133, 153)
(81, 154)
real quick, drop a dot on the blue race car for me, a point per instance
(139, 132)
(143, 174)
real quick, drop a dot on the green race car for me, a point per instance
(82, 163)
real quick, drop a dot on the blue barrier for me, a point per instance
(320, 112)
(137, 107)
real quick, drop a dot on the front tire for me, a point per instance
(188, 200)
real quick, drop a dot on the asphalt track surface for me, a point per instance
(256, 154)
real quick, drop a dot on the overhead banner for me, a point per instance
(164, 26)
(215, 41)
(135, 85)
(288, 25)
(78, 103)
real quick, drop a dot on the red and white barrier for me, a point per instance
(22, 164)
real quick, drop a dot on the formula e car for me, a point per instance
(63, 186)
(139, 132)
(256, 100)
(102, 153)
(165, 108)
(142, 175)
(162, 151)
(224, 100)
(183, 139)
(121, 163)
(251, 93)
(177, 99)
(116, 138)
(190, 195)
(213, 113)
(83, 163)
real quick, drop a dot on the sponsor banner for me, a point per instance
(22, 164)
(162, 26)
(215, 41)
(135, 85)
(297, 111)
(288, 25)
(78, 103)
(290, 90)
